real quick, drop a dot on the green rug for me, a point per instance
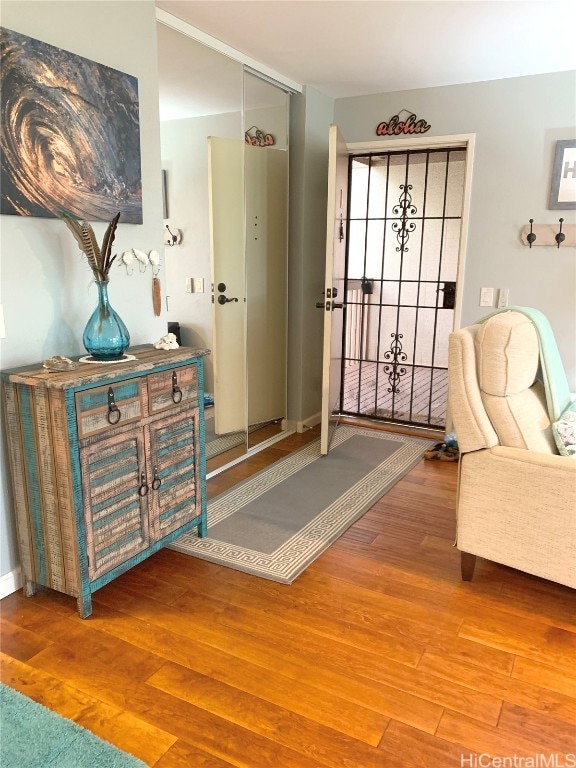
(32, 736)
(280, 520)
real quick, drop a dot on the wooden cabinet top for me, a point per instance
(146, 358)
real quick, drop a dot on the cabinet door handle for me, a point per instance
(176, 391)
(143, 489)
(113, 410)
(156, 482)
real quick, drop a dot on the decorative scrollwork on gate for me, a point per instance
(404, 226)
(395, 370)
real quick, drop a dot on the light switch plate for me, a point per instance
(194, 285)
(503, 297)
(486, 297)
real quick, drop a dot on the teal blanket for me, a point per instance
(552, 371)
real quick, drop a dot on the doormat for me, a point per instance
(277, 522)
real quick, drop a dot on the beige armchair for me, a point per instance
(516, 494)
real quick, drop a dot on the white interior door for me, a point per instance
(266, 176)
(334, 282)
(226, 205)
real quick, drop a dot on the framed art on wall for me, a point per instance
(69, 134)
(563, 187)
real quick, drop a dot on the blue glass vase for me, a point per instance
(105, 336)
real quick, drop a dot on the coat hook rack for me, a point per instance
(548, 234)
(560, 237)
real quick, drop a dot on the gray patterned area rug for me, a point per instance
(275, 523)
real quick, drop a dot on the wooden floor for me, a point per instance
(378, 655)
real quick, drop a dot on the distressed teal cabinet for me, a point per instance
(107, 465)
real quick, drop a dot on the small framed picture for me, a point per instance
(563, 188)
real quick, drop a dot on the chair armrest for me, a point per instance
(545, 462)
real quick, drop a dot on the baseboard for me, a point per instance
(251, 452)
(10, 582)
(308, 423)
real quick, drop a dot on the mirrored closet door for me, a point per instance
(266, 255)
(224, 136)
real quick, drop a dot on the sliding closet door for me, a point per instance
(266, 201)
(266, 205)
(226, 187)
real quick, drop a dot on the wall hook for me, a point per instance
(530, 236)
(173, 238)
(560, 237)
(127, 258)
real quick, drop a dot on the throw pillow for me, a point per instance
(564, 431)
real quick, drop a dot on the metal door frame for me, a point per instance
(465, 141)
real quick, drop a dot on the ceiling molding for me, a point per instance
(163, 17)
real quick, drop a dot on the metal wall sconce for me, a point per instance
(548, 234)
(172, 238)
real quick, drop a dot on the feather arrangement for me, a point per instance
(99, 259)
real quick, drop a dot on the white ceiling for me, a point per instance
(356, 47)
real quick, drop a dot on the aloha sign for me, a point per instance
(397, 127)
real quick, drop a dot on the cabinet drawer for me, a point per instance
(100, 409)
(167, 389)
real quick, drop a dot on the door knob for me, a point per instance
(223, 300)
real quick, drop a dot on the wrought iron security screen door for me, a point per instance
(404, 222)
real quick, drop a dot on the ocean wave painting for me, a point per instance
(69, 134)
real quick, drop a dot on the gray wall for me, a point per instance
(311, 115)
(517, 122)
(46, 286)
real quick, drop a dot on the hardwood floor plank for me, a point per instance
(508, 689)
(551, 645)
(184, 755)
(424, 751)
(552, 603)
(475, 737)
(118, 655)
(19, 642)
(42, 608)
(281, 725)
(553, 734)
(562, 681)
(109, 722)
